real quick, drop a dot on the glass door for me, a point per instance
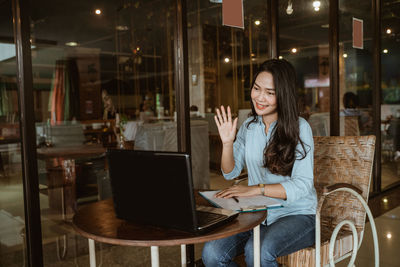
(103, 76)
(304, 42)
(390, 105)
(222, 62)
(12, 220)
(355, 68)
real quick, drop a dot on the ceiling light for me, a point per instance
(385, 51)
(325, 26)
(294, 50)
(385, 200)
(289, 9)
(388, 31)
(257, 22)
(280, 57)
(316, 4)
(344, 55)
(227, 60)
(71, 44)
(97, 11)
(389, 236)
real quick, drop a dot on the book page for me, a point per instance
(244, 204)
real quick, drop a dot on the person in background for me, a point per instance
(351, 108)
(109, 108)
(276, 146)
(194, 111)
(146, 111)
(350, 103)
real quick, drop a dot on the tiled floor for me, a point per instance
(388, 228)
(390, 172)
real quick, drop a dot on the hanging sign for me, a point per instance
(232, 13)
(358, 33)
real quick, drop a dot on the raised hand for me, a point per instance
(226, 127)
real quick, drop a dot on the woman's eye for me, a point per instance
(271, 93)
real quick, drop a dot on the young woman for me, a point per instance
(276, 146)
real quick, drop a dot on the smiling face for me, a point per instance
(264, 98)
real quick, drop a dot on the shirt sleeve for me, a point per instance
(301, 183)
(238, 154)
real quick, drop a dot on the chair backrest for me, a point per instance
(343, 159)
(349, 125)
(319, 123)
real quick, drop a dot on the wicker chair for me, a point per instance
(342, 174)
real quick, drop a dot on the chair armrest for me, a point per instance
(330, 188)
(355, 191)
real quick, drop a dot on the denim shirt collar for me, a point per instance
(261, 123)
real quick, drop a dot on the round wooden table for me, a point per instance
(98, 222)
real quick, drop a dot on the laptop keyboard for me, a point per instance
(206, 218)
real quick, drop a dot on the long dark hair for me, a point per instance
(280, 151)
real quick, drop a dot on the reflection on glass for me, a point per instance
(103, 77)
(12, 222)
(304, 41)
(222, 62)
(390, 84)
(355, 70)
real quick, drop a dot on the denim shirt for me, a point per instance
(248, 151)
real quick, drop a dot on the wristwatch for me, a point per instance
(261, 186)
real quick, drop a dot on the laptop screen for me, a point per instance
(153, 188)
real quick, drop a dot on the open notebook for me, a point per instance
(244, 204)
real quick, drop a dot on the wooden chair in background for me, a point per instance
(349, 125)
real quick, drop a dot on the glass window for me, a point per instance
(222, 62)
(103, 75)
(355, 68)
(12, 219)
(304, 42)
(390, 84)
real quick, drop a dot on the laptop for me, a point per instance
(156, 188)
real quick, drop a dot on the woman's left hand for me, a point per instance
(238, 191)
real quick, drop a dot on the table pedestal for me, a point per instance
(155, 259)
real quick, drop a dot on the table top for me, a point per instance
(74, 151)
(97, 221)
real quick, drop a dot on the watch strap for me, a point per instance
(262, 187)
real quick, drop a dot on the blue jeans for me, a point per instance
(284, 236)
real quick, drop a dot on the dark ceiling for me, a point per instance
(57, 22)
